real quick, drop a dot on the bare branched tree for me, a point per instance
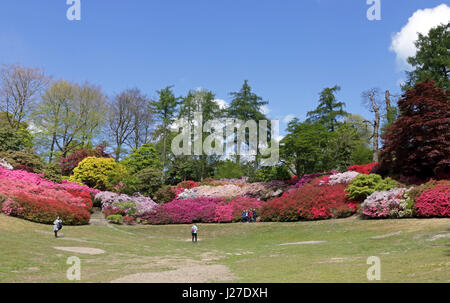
(121, 118)
(19, 89)
(142, 120)
(371, 99)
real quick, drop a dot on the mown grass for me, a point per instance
(251, 251)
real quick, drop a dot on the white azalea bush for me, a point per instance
(342, 178)
(5, 164)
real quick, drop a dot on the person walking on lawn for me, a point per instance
(57, 225)
(255, 215)
(194, 230)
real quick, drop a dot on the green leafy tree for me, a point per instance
(200, 101)
(432, 60)
(165, 109)
(302, 149)
(329, 111)
(19, 139)
(143, 157)
(246, 106)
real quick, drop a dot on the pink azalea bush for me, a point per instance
(184, 211)
(387, 204)
(38, 179)
(31, 197)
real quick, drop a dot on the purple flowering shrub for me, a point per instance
(134, 206)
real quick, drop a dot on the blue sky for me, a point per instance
(289, 50)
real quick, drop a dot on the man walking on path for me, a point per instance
(194, 230)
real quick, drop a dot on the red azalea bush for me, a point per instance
(363, 169)
(434, 202)
(232, 211)
(187, 184)
(309, 202)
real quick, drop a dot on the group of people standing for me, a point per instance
(249, 216)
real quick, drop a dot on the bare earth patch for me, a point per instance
(82, 250)
(387, 235)
(441, 236)
(304, 242)
(188, 274)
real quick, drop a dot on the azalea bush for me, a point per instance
(342, 178)
(133, 206)
(309, 202)
(232, 211)
(200, 210)
(387, 204)
(187, 184)
(363, 169)
(434, 202)
(39, 179)
(31, 197)
(364, 185)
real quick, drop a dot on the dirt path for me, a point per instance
(186, 274)
(82, 250)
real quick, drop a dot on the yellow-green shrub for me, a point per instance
(100, 173)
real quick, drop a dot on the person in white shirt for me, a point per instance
(194, 230)
(57, 225)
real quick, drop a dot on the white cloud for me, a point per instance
(222, 103)
(288, 118)
(420, 22)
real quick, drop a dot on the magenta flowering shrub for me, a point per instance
(387, 204)
(200, 210)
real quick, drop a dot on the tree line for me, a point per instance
(55, 118)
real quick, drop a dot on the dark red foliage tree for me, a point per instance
(71, 161)
(418, 143)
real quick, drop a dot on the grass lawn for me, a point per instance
(411, 250)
